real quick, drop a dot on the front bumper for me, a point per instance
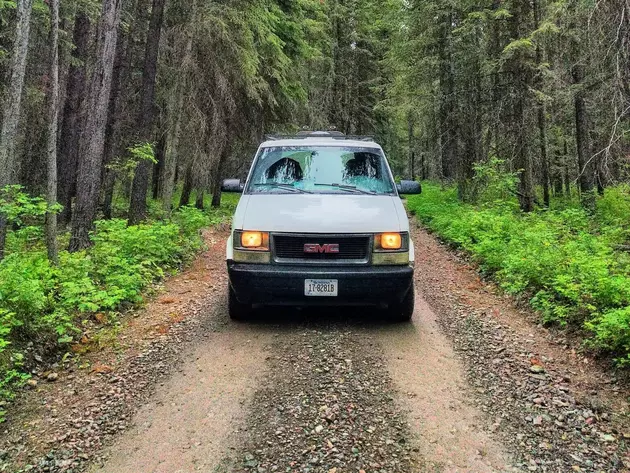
(284, 285)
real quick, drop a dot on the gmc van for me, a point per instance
(320, 223)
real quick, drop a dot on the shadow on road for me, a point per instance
(325, 318)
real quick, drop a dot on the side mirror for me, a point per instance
(232, 185)
(409, 188)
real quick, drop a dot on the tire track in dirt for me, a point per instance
(326, 405)
(432, 386)
(190, 423)
(553, 411)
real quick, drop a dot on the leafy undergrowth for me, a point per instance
(569, 262)
(43, 308)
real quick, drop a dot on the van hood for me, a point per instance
(321, 213)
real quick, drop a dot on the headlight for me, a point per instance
(251, 240)
(391, 242)
(391, 249)
(251, 247)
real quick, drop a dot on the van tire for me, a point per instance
(237, 310)
(402, 312)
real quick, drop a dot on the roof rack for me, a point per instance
(336, 135)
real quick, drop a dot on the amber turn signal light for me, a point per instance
(391, 241)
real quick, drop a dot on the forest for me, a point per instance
(120, 118)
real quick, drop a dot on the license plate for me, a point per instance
(321, 288)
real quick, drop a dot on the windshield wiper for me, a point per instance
(348, 188)
(287, 187)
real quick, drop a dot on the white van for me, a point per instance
(320, 222)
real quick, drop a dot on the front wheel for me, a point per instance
(403, 311)
(236, 309)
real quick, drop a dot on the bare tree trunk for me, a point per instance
(523, 158)
(93, 137)
(187, 189)
(447, 112)
(601, 177)
(557, 175)
(542, 119)
(167, 184)
(12, 104)
(158, 168)
(109, 185)
(199, 199)
(496, 111)
(423, 175)
(51, 187)
(114, 118)
(71, 121)
(567, 179)
(216, 197)
(218, 177)
(520, 74)
(585, 162)
(410, 143)
(168, 177)
(138, 204)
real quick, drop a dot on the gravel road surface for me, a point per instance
(471, 385)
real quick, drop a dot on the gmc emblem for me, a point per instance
(317, 248)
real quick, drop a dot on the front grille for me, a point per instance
(351, 248)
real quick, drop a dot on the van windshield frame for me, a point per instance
(320, 169)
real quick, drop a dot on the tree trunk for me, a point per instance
(495, 111)
(199, 199)
(520, 74)
(168, 177)
(218, 178)
(557, 175)
(121, 74)
(109, 185)
(410, 143)
(541, 115)
(422, 166)
(138, 205)
(447, 113)
(603, 178)
(12, 104)
(585, 162)
(93, 136)
(187, 189)
(216, 197)
(51, 187)
(71, 121)
(567, 179)
(158, 168)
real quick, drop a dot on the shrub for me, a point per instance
(612, 331)
(564, 259)
(43, 304)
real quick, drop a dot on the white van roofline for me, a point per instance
(324, 141)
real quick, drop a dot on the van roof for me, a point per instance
(320, 142)
(320, 138)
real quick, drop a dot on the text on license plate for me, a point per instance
(321, 287)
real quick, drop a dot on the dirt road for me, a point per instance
(472, 385)
(319, 394)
